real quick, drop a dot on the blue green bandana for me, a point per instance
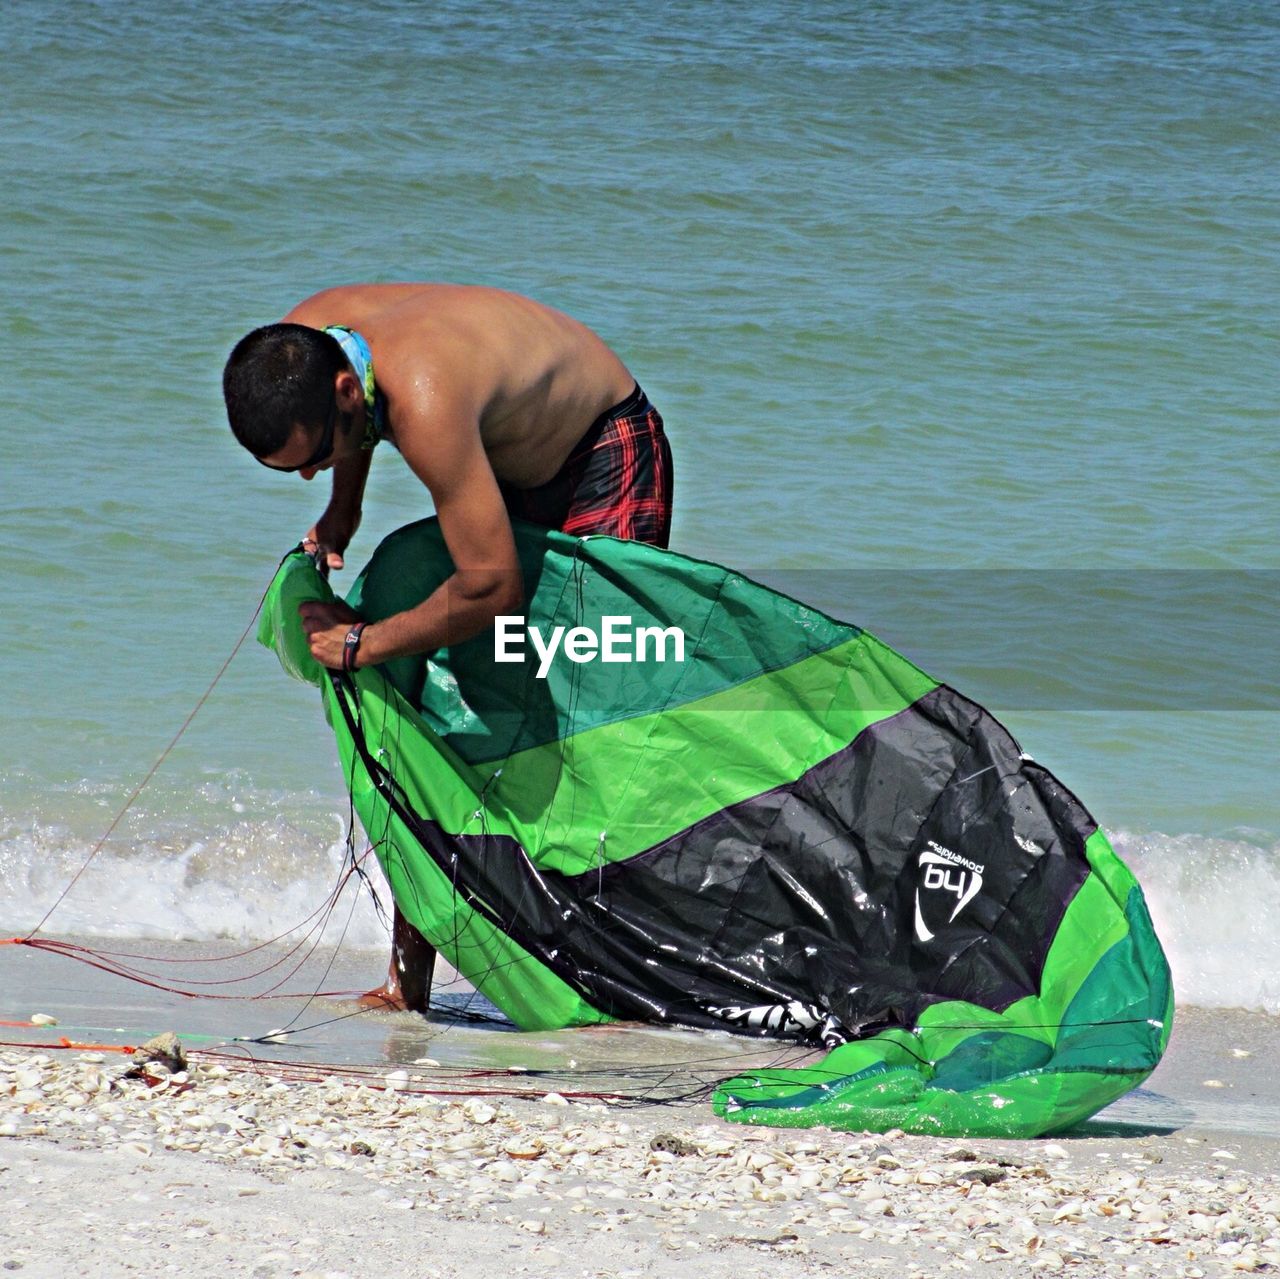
(356, 349)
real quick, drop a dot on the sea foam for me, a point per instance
(1214, 903)
(1213, 900)
(248, 881)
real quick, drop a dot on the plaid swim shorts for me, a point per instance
(617, 480)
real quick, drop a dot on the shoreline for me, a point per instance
(275, 1174)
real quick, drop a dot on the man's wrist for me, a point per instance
(351, 646)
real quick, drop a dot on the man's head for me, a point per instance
(278, 379)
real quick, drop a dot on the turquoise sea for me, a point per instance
(963, 318)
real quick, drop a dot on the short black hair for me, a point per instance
(275, 377)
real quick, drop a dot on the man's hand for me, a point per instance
(326, 626)
(332, 534)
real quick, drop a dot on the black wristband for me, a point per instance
(351, 646)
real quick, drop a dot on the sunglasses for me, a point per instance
(322, 449)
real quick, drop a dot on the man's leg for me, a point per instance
(408, 984)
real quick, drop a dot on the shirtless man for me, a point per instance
(501, 406)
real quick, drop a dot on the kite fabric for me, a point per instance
(791, 832)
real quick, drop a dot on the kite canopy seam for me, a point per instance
(793, 833)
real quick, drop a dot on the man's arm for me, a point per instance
(446, 453)
(333, 531)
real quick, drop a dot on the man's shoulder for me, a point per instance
(352, 304)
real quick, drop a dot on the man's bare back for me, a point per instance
(533, 378)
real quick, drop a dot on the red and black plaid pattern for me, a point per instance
(617, 480)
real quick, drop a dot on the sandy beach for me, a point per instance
(962, 322)
(265, 1169)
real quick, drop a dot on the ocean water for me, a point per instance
(963, 318)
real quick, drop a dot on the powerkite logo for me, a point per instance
(618, 640)
(944, 874)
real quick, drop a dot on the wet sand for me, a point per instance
(389, 1144)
